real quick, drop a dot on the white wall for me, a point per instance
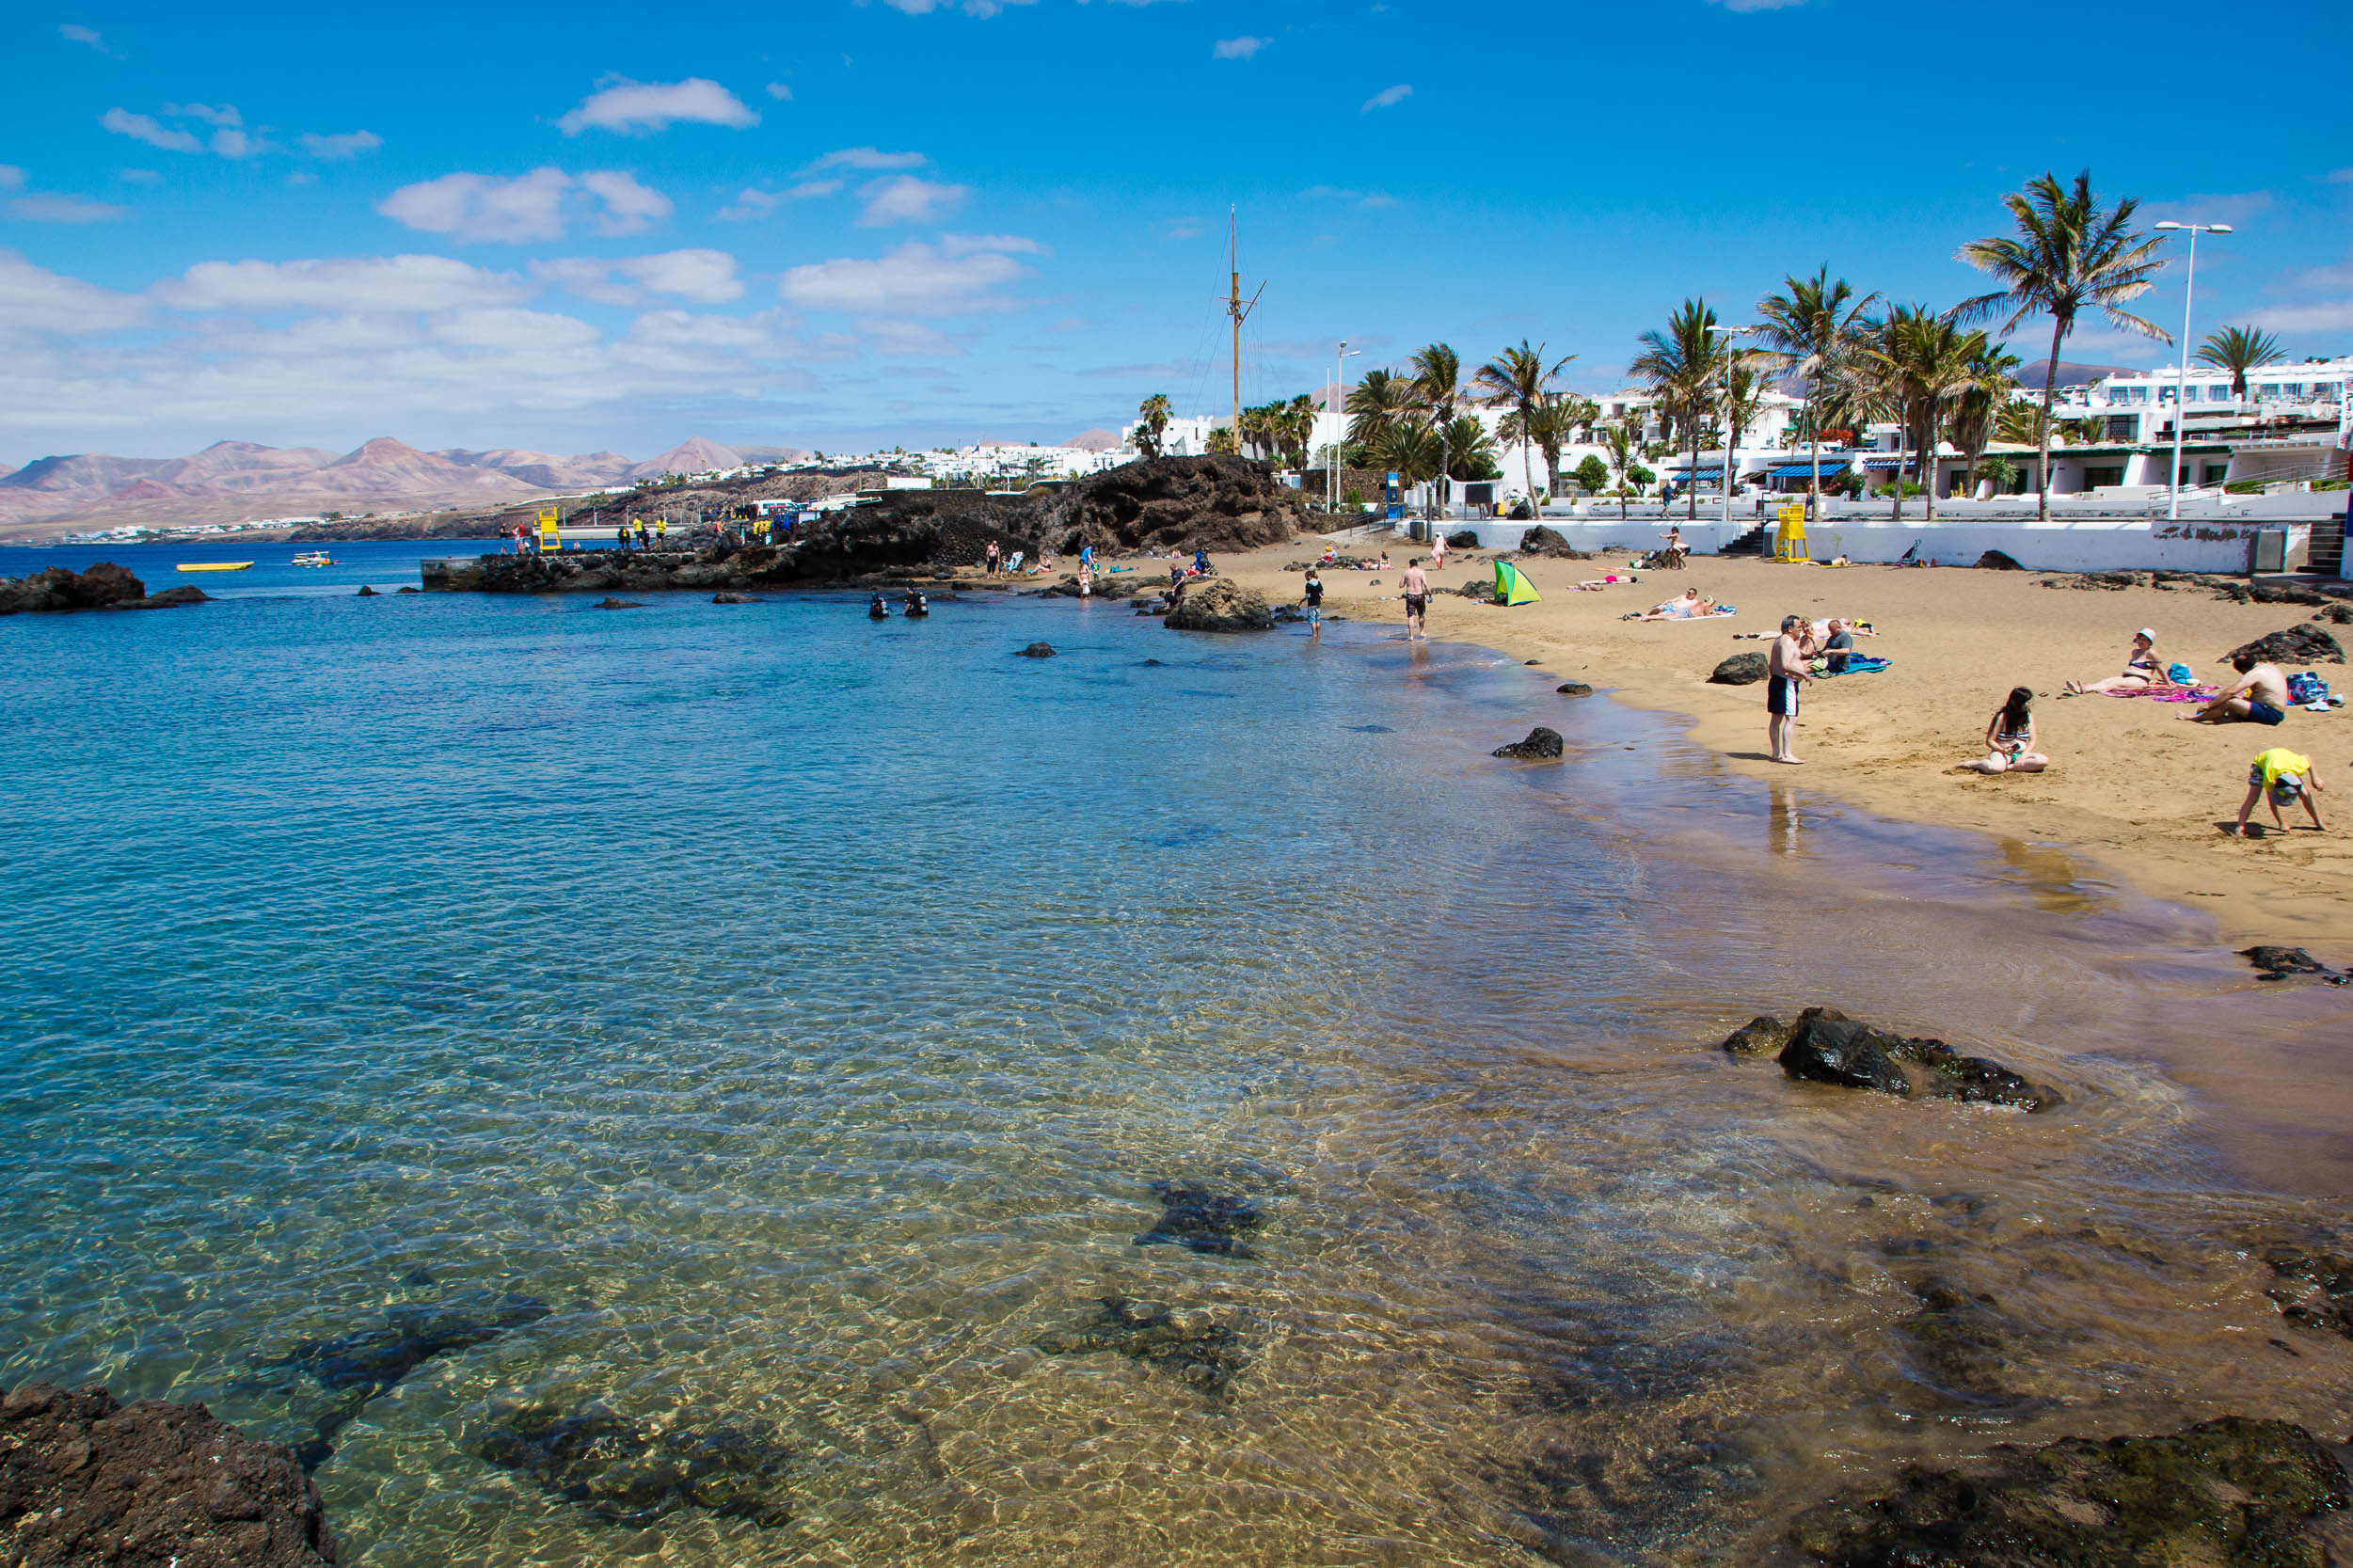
(2065, 545)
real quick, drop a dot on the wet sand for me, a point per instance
(2132, 785)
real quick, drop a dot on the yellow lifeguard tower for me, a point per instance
(551, 538)
(1789, 540)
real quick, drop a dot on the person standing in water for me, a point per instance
(1415, 585)
(1312, 599)
(1785, 668)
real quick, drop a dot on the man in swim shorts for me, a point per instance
(1785, 668)
(1415, 585)
(1312, 598)
(2259, 696)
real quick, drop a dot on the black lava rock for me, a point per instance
(1759, 1037)
(1191, 1346)
(1463, 539)
(1036, 650)
(2278, 963)
(1994, 561)
(1574, 688)
(1541, 745)
(1200, 1220)
(626, 1475)
(611, 603)
(366, 592)
(1543, 541)
(187, 593)
(2299, 644)
(1739, 670)
(1830, 1047)
(1825, 1046)
(731, 597)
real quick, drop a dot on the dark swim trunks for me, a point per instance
(2264, 713)
(1781, 696)
(1417, 603)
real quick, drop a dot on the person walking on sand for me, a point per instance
(1311, 600)
(2009, 737)
(988, 561)
(1415, 585)
(1785, 668)
(1438, 553)
(2259, 696)
(2281, 777)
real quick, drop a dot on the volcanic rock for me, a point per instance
(2313, 1289)
(2277, 963)
(730, 596)
(59, 589)
(187, 593)
(85, 1479)
(1218, 503)
(1541, 539)
(1739, 670)
(1200, 1220)
(2335, 614)
(1036, 650)
(1463, 539)
(1220, 606)
(609, 602)
(1191, 1345)
(1574, 688)
(1994, 561)
(2305, 644)
(1541, 745)
(2234, 1491)
(1825, 1046)
(627, 1475)
(365, 591)
(1478, 590)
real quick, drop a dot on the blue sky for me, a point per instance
(833, 223)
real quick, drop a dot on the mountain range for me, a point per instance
(231, 481)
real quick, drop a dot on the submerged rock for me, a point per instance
(1199, 1220)
(1218, 605)
(731, 597)
(2312, 1289)
(1036, 650)
(2236, 1491)
(627, 1475)
(85, 1479)
(609, 602)
(1541, 745)
(2277, 963)
(1824, 1046)
(1191, 1346)
(1574, 688)
(1958, 1338)
(2299, 644)
(1739, 670)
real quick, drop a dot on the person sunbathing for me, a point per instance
(2141, 669)
(2259, 696)
(1594, 585)
(2009, 738)
(1689, 604)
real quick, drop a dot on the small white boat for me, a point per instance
(314, 558)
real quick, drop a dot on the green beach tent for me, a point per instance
(1511, 586)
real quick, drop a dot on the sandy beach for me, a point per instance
(2132, 785)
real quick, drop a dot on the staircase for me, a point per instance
(2325, 556)
(1752, 543)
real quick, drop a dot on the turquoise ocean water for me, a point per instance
(751, 1021)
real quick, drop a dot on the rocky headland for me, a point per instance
(104, 586)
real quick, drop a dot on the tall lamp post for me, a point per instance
(2181, 389)
(1331, 501)
(1731, 435)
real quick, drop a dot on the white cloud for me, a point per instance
(965, 245)
(646, 106)
(541, 205)
(1363, 198)
(147, 128)
(630, 207)
(2328, 315)
(231, 143)
(906, 340)
(865, 157)
(74, 32)
(1241, 48)
(1387, 96)
(970, 8)
(140, 176)
(759, 203)
(64, 209)
(40, 300)
(905, 199)
(514, 330)
(780, 92)
(1756, 5)
(343, 144)
(358, 285)
(700, 277)
(915, 279)
(223, 115)
(12, 178)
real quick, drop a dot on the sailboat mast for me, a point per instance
(1234, 309)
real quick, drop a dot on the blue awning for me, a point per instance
(1831, 466)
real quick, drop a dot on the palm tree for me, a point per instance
(1681, 365)
(1221, 439)
(1469, 450)
(1519, 380)
(1381, 399)
(1623, 441)
(2067, 257)
(1154, 412)
(2238, 350)
(1936, 359)
(1990, 389)
(1298, 426)
(1411, 450)
(2018, 421)
(1812, 326)
(1436, 389)
(1556, 417)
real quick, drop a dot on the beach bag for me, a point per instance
(2306, 688)
(2181, 675)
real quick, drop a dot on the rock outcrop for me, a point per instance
(1739, 670)
(1542, 745)
(85, 1479)
(2299, 644)
(102, 587)
(2235, 1493)
(1824, 1046)
(1216, 604)
(1574, 688)
(1543, 541)
(1216, 504)
(1036, 650)
(2278, 963)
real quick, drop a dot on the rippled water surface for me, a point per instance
(802, 1012)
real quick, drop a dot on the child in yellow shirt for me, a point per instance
(2280, 777)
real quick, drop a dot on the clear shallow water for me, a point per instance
(802, 1010)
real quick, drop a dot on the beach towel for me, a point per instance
(2167, 691)
(1859, 665)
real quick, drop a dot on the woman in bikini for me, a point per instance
(2009, 738)
(2143, 669)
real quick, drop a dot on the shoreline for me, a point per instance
(2131, 787)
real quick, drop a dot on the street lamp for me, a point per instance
(2181, 389)
(1731, 435)
(1331, 501)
